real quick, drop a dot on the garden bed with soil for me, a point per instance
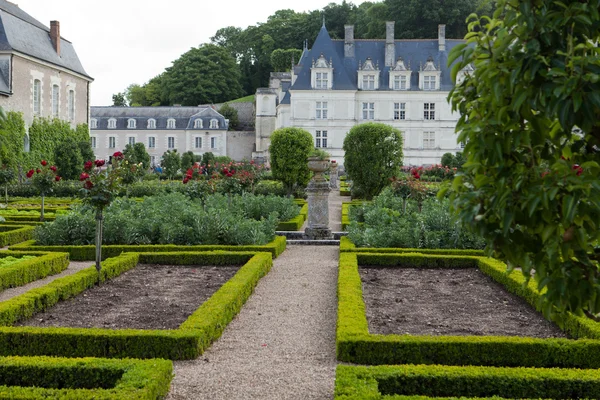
(148, 296)
(461, 302)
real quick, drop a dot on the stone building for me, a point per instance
(340, 83)
(40, 73)
(198, 129)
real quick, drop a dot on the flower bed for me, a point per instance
(28, 270)
(356, 345)
(84, 378)
(191, 339)
(13, 234)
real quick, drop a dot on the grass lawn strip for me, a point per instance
(29, 270)
(356, 345)
(83, 378)
(204, 326)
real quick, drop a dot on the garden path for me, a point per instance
(74, 266)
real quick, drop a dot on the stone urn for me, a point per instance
(333, 175)
(318, 165)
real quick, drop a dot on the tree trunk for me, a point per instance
(6, 194)
(99, 221)
(42, 210)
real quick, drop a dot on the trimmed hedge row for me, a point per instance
(88, 252)
(47, 201)
(435, 381)
(346, 211)
(356, 345)
(23, 223)
(13, 234)
(344, 188)
(83, 378)
(346, 245)
(31, 218)
(295, 224)
(30, 270)
(191, 339)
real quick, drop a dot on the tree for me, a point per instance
(7, 175)
(68, 159)
(281, 59)
(529, 118)
(207, 74)
(119, 100)
(136, 95)
(373, 155)
(187, 160)
(137, 154)
(231, 114)
(289, 151)
(171, 163)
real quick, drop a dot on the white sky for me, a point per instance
(131, 41)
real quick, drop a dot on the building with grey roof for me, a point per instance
(340, 83)
(198, 129)
(40, 73)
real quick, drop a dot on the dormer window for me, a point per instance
(322, 73)
(400, 76)
(112, 123)
(171, 123)
(198, 124)
(151, 123)
(214, 124)
(131, 123)
(93, 123)
(368, 75)
(429, 76)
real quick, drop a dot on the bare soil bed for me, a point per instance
(145, 297)
(458, 302)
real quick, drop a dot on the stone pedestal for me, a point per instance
(318, 203)
(333, 175)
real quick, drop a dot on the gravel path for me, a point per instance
(282, 344)
(74, 266)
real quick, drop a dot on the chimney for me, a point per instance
(390, 44)
(349, 41)
(55, 35)
(442, 37)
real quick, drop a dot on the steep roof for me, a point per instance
(22, 33)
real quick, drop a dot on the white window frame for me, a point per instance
(37, 97)
(198, 123)
(368, 111)
(213, 142)
(131, 140)
(322, 80)
(170, 142)
(428, 140)
(112, 142)
(429, 82)
(321, 110)
(151, 123)
(214, 124)
(429, 111)
(71, 104)
(171, 123)
(368, 82)
(131, 123)
(55, 100)
(151, 142)
(93, 123)
(198, 142)
(93, 142)
(400, 82)
(399, 111)
(112, 123)
(321, 139)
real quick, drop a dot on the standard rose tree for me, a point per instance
(43, 180)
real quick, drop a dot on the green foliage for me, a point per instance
(175, 219)
(289, 150)
(19, 268)
(68, 159)
(319, 153)
(12, 140)
(528, 116)
(46, 134)
(208, 158)
(171, 163)
(282, 59)
(187, 160)
(450, 160)
(373, 155)
(231, 114)
(119, 100)
(269, 187)
(137, 154)
(10, 235)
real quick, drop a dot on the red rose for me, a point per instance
(57, 178)
(38, 170)
(186, 180)
(88, 185)
(577, 168)
(88, 165)
(417, 176)
(118, 155)
(83, 176)
(53, 168)
(99, 163)
(30, 173)
(44, 163)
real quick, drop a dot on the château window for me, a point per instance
(112, 123)
(131, 140)
(214, 124)
(112, 142)
(71, 100)
(198, 123)
(151, 142)
(171, 142)
(429, 111)
(429, 140)
(368, 82)
(55, 99)
(93, 141)
(37, 97)
(213, 142)
(429, 83)
(400, 82)
(368, 110)
(151, 123)
(171, 123)
(321, 139)
(399, 111)
(93, 123)
(321, 110)
(322, 80)
(198, 142)
(131, 123)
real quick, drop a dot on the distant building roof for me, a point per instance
(24, 34)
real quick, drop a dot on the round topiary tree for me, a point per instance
(373, 156)
(530, 123)
(289, 151)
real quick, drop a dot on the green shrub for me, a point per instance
(14, 234)
(29, 266)
(269, 187)
(289, 151)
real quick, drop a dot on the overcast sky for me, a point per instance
(120, 42)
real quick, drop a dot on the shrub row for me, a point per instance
(414, 381)
(346, 211)
(23, 223)
(13, 234)
(356, 345)
(88, 252)
(26, 271)
(344, 188)
(346, 245)
(191, 339)
(83, 378)
(28, 218)
(295, 224)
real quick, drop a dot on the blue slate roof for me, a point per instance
(345, 69)
(185, 117)
(22, 33)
